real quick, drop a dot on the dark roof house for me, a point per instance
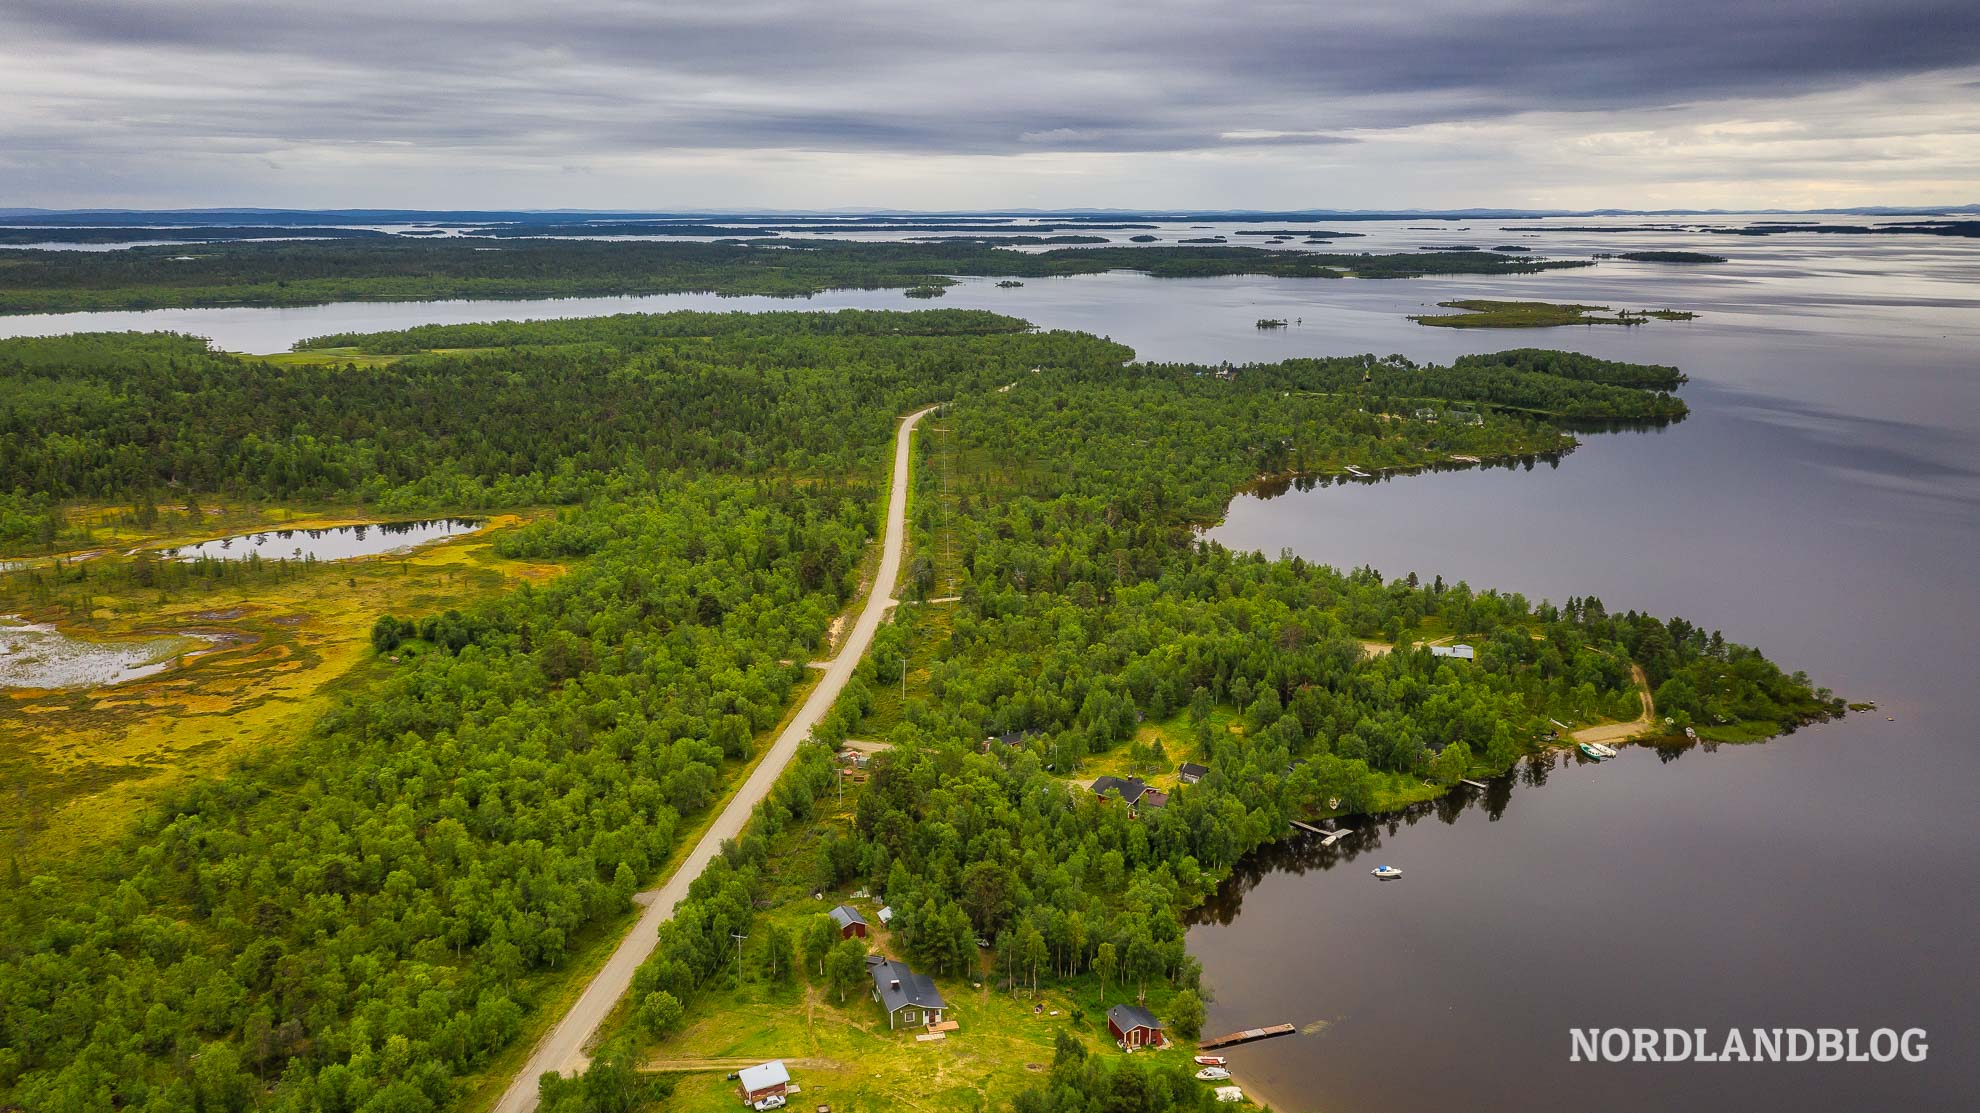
(909, 998)
(852, 925)
(1130, 788)
(1134, 1026)
(1190, 772)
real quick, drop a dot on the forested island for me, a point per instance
(183, 233)
(1670, 257)
(376, 912)
(1488, 313)
(395, 268)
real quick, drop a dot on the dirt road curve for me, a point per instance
(1623, 732)
(563, 1049)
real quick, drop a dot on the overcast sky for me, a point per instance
(993, 103)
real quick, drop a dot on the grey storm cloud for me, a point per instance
(109, 83)
(980, 78)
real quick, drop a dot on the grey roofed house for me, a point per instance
(850, 922)
(1190, 772)
(1130, 788)
(1457, 652)
(908, 997)
(763, 1080)
(1135, 1026)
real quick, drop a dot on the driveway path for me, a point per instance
(563, 1049)
(1622, 732)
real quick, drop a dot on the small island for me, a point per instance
(1671, 257)
(1009, 284)
(924, 291)
(1485, 313)
(1271, 322)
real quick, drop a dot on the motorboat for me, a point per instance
(1213, 1074)
(1212, 1061)
(1597, 751)
(1386, 873)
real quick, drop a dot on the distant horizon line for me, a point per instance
(41, 213)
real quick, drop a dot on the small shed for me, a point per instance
(1458, 652)
(1134, 1026)
(852, 925)
(765, 1080)
(886, 915)
(1190, 772)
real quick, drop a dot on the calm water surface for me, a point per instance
(330, 543)
(40, 656)
(1822, 502)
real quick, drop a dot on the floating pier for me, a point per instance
(1248, 1035)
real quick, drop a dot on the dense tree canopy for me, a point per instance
(357, 920)
(396, 268)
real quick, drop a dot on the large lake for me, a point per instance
(1822, 502)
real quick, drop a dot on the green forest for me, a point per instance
(397, 268)
(362, 920)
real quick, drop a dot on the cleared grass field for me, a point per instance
(843, 1054)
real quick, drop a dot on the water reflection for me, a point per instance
(329, 543)
(1274, 486)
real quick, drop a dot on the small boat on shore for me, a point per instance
(1229, 1093)
(1386, 873)
(1597, 751)
(1212, 1061)
(1213, 1074)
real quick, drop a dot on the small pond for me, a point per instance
(39, 656)
(329, 543)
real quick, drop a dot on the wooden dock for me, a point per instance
(1327, 838)
(1248, 1035)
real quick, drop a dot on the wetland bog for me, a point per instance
(273, 650)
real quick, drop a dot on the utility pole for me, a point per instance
(739, 942)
